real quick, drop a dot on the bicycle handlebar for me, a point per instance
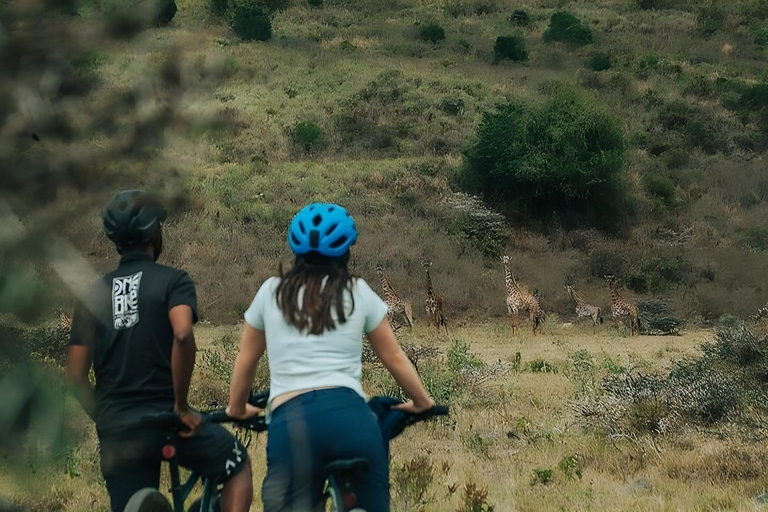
(258, 422)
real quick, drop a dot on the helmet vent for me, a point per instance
(330, 229)
(314, 239)
(294, 239)
(338, 242)
(316, 220)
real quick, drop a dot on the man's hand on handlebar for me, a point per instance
(192, 420)
(411, 407)
(248, 412)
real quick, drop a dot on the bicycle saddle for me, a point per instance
(346, 465)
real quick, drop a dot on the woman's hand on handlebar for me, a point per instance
(411, 407)
(247, 412)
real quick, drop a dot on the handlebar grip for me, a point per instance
(439, 410)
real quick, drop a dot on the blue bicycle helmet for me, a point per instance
(324, 228)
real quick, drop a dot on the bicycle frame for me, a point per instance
(180, 492)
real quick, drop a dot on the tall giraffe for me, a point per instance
(395, 305)
(434, 302)
(622, 307)
(584, 309)
(519, 300)
(540, 315)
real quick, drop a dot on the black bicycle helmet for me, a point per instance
(133, 217)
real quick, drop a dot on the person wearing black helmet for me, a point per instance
(311, 321)
(135, 330)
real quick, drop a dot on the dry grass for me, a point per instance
(500, 444)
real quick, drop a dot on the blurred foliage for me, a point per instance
(64, 136)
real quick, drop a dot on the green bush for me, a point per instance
(711, 18)
(250, 21)
(761, 39)
(218, 8)
(315, 3)
(510, 47)
(657, 274)
(520, 17)
(660, 187)
(166, 10)
(126, 19)
(432, 32)
(308, 136)
(599, 62)
(567, 28)
(757, 238)
(564, 153)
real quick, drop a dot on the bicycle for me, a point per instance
(338, 473)
(150, 499)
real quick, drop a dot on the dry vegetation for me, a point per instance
(514, 440)
(349, 103)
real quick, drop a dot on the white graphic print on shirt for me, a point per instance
(125, 301)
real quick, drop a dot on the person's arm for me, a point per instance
(182, 364)
(78, 367)
(253, 344)
(391, 354)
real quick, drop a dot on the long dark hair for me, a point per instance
(324, 281)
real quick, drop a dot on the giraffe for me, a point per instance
(395, 305)
(519, 300)
(540, 316)
(65, 321)
(434, 302)
(583, 309)
(622, 307)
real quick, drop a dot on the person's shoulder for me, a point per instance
(174, 274)
(361, 286)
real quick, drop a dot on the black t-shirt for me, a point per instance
(125, 323)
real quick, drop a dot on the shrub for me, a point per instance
(711, 18)
(661, 188)
(657, 317)
(218, 8)
(308, 136)
(520, 17)
(757, 238)
(166, 10)
(565, 153)
(485, 228)
(315, 3)
(761, 39)
(542, 476)
(567, 28)
(411, 482)
(432, 32)
(474, 499)
(126, 19)
(251, 22)
(599, 62)
(657, 274)
(509, 47)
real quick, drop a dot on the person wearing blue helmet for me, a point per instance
(311, 322)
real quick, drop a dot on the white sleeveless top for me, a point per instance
(300, 360)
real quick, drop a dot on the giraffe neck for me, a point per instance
(616, 298)
(430, 290)
(576, 297)
(389, 292)
(512, 288)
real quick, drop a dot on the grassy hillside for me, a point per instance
(395, 113)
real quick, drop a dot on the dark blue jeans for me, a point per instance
(308, 432)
